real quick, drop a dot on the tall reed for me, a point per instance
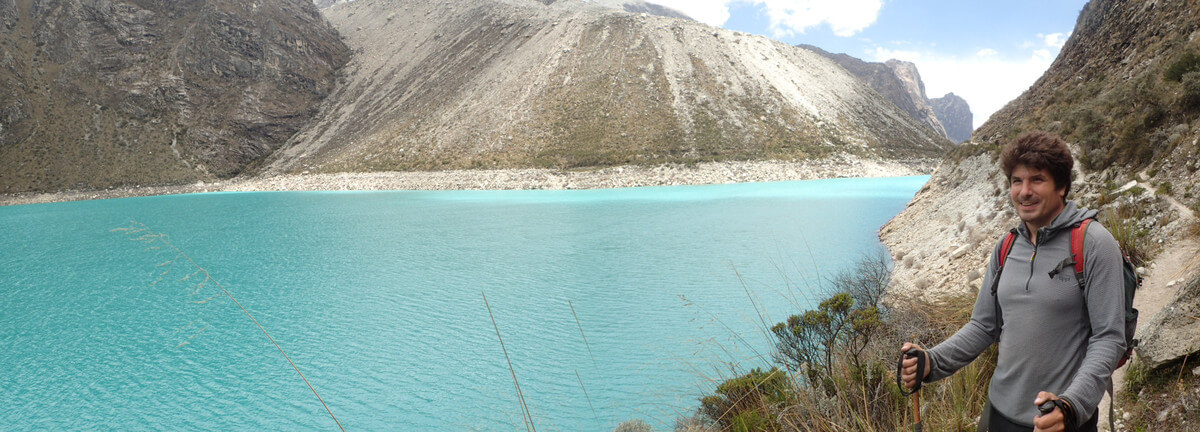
(151, 237)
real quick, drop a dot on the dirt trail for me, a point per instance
(1178, 263)
(1184, 210)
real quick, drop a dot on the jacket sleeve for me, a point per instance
(977, 335)
(1105, 297)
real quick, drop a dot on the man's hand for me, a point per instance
(1052, 422)
(908, 369)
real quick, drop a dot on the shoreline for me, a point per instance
(515, 179)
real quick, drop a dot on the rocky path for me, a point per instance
(1178, 262)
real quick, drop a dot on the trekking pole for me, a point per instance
(916, 390)
(917, 412)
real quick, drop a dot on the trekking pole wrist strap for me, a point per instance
(921, 360)
(1070, 421)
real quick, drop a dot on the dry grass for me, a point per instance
(1164, 399)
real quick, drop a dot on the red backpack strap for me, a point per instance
(1077, 235)
(1007, 245)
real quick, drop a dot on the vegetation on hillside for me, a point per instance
(835, 366)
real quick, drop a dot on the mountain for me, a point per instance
(1108, 90)
(571, 84)
(900, 83)
(634, 6)
(955, 115)
(98, 94)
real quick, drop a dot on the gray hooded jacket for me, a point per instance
(1052, 337)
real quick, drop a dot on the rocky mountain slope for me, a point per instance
(519, 83)
(900, 83)
(1136, 135)
(910, 79)
(955, 114)
(95, 94)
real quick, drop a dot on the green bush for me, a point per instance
(1122, 224)
(1164, 189)
(745, 403)
(1190, 62)
(636, 425)
(1191, 91)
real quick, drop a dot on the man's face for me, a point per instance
(1035, 196)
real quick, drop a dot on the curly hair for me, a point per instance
(1040, 150)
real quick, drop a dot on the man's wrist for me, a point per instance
(1070, 420)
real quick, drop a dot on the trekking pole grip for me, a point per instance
(920, 355)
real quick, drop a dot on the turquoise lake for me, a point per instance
(378, 299)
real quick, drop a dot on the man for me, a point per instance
(1055, 342)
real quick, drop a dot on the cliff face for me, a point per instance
(478, 84)
(900, 83)
(99, 93)
(907, 73)
(955, 115)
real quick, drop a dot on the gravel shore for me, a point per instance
(616, 177)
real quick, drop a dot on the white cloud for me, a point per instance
(788, 17)
(1055, 40)
(845, 17)
(986, 82)
(986, 52)
(883, 54)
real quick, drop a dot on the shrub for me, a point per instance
(1189, 62)
(1164, 189)
(1123, 226)
(636, 425)
(746, 403)
(1191, 91)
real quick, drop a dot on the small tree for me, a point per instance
(807, 341)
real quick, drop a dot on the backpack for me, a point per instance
(1132, 280)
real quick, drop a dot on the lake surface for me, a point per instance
(378, 299)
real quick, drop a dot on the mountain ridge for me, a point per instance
(565, 86)
(901, 83)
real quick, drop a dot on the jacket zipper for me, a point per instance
(1041, 235)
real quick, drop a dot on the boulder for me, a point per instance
(1174, 332)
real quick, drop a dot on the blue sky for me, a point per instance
(988, 52)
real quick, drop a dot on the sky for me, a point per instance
(987, 52)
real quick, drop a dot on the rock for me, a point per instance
(955, 115)
(1196, 371)
(1171, 334)
(220, 83)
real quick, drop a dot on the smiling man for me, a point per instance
(1057, 343)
